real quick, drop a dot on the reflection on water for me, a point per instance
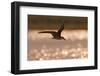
(43, 47)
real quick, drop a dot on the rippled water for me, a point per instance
(43, 47)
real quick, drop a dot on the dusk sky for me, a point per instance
(53, 22)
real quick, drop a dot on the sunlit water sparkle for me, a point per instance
(43, 47)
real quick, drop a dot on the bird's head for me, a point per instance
(63, 38)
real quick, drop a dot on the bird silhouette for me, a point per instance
(56, 35)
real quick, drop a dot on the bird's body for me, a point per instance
(56, 35)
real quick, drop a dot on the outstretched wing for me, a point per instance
(61, 28)
(47, 32)
(50, 32)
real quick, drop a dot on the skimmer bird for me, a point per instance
(56, 35)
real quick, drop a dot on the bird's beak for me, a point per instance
(64, 39)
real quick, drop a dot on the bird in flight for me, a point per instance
(56, 35)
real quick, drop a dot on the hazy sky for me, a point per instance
(53, 22)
